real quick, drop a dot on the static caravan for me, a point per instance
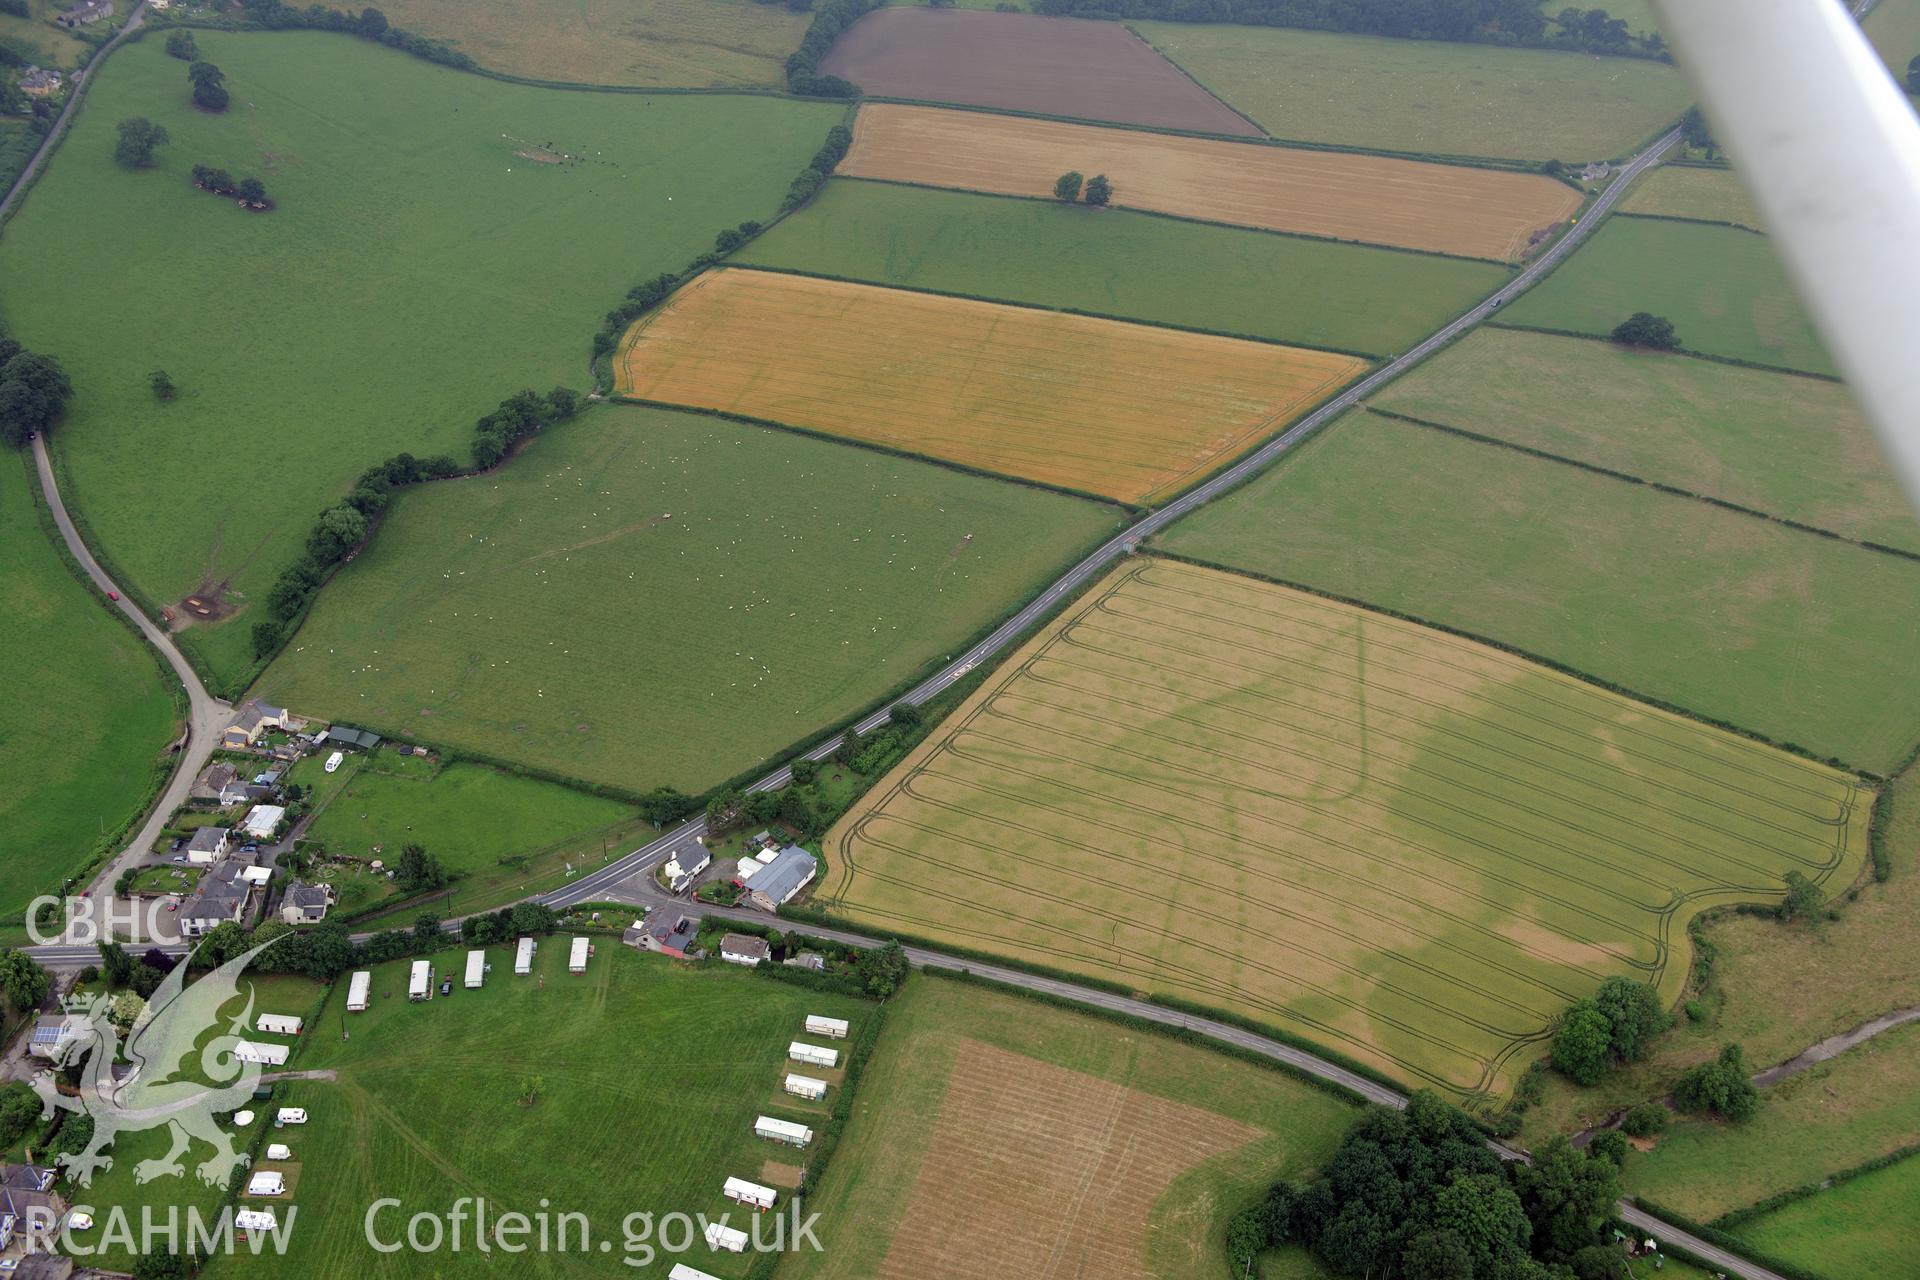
(731, 1239)
(267, 1182)
(813, 1055)
(290, 1115)
(279, 1151)
(577, 962)
(794, 1135)
(420, 984)
(357, 989)
(523, 958)
(749, 1193)
(806, 1087)
(681, 1271)
(831, 1028)
(476, 968)
(267, 1055)
(255, 1220)
(278, 1024)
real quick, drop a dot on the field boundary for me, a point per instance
(1553, 664)
(1712, 1235)
(1630, 478)
(1702, 222)
(1373, 356)
(1147, 44)
(1187, 218)
(1760, 1208)
(1735, 361)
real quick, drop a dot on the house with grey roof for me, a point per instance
(744, 948)
(306, 903)
(255, 718)
(665, 929)
(774, 885)
(220, 897)
(86, 13)
(213, 781)
(207, 845)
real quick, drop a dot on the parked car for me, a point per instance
(446, 986)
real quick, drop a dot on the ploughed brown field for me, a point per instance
(1104, 407)
(1476, 213)
(1078, 67)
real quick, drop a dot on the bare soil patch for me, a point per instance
(1476, 213)
(1075, 67)
(775, 1174)
(205, 604)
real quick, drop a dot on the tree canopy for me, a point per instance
(1644, 329)
(33, 391)
(209, 86)
(1067, 186)
(1099, 190)
(138, 138)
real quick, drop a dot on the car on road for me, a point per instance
(113, 595)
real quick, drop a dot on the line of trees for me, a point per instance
(249, 191)
(519, 416)
(368, 24)
(1499, 22)
(34, 389)
(803, 64)
(824, 162)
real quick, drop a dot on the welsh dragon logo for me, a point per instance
(145, 1083)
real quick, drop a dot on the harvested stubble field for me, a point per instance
(1408, 846)
(1077, 67)
(1427, 96)
(647, 597)
(1134, 266)
(1475, 213)
(1053, 1143)
(1121, 410)
(1687, 191)
(1734, 617)
(666, 43)
(1740, 435)
(1722, 287)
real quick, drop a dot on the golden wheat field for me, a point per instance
(1119, 410)
(1410, 847)
(1476, 213)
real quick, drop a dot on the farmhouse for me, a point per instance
(255, 718)
(668, 930)
(794, 1135)
(577, 958)
(523, 957)
(221, 897)
(749, 1193)
(420, 981)
(740, 948)
(775, 885)
(687, 862)
(813, 1055)
(213, 781)
(277, 1024)
(264, 820)
(476, 969)
(85, 13)
(805, 1087)
(266, 1055)
(732, 1239)
(38, 82)
(208, 845)
(358, 988)
(268, 1182)
(831, 1028)
(306, 903)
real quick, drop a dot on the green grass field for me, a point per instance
(1747, 436)
(1859, 1230)
(417, 270)
(885, 1197)
(648, 597)
(650, 1075)
(1426, 96)
(1894, 28)
(1862, 1105)
(1723, 288)
(693, 43)
(1784, 633)
(1684, 191)
(1403, 845)
(496, 833)
(1133, 265)
(78, 753)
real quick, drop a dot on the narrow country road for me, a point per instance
(207, 716)
(52, 140)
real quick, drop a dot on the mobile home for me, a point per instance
(681, 1271)
(523, 958)
(278, 1024)
(420, 984)
(813, 1055)
(577, 962)
(279, 1151)
(749, 1193)
(267, 1182)
(254, 1220)
(267, 1055)
(291, 1115)
(806, 1087)
(831, 1028)
(794, 1135)
(357, 989)
(732, 1239)
(476, 968)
